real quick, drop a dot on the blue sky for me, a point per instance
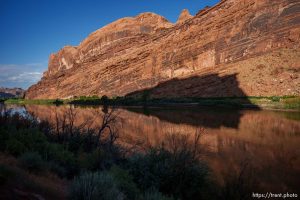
(32, 29)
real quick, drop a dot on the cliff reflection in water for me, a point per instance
(261, 147)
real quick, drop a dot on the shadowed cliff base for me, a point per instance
(204, 117)
(206, 90)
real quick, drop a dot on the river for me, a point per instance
(259, 146)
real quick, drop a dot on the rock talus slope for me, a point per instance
(235, 48)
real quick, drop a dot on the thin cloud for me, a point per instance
(21, 75)
(36, 64)
(31, 77)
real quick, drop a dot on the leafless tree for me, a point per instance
(107, 131)
(184, 143)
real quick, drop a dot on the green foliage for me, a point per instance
(177, 174)
(94, 186)
(97, 159)
(34, 101)
(58, 102)
(32, 161)
(21, 140)
(57, 169)
(144, 98)
(21, 134)
(125, 182)
(275, 99)
(160, 172)
(15, 147)
(104, 99)
(292, 103)
(66, 162)
(85, 100)
(153, 194)
(280, 102)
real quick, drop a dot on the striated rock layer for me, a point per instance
(236, 48)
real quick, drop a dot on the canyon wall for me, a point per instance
(235, 48)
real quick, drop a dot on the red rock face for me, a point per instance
(185, 15)
(236, 48)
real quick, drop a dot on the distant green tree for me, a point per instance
(104, 99)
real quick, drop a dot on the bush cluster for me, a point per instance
(97, 167)
(63, 153)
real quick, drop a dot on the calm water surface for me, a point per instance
(261, 146)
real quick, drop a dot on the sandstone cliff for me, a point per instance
(236, 48)
(185, 15)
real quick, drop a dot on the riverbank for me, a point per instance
(238, 138)
(63, 161)
(273, 103)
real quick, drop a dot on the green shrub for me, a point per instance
(101, 158)
(176, 174)
(125, 182)
(33, 139)
(292, 103)
(57, 169)
(93, 161)
(95, 186)
(32, 161)
(18, 141)
(63, 158)
(275, 99)
(15, 147)
(153, 194)
(104, 99)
